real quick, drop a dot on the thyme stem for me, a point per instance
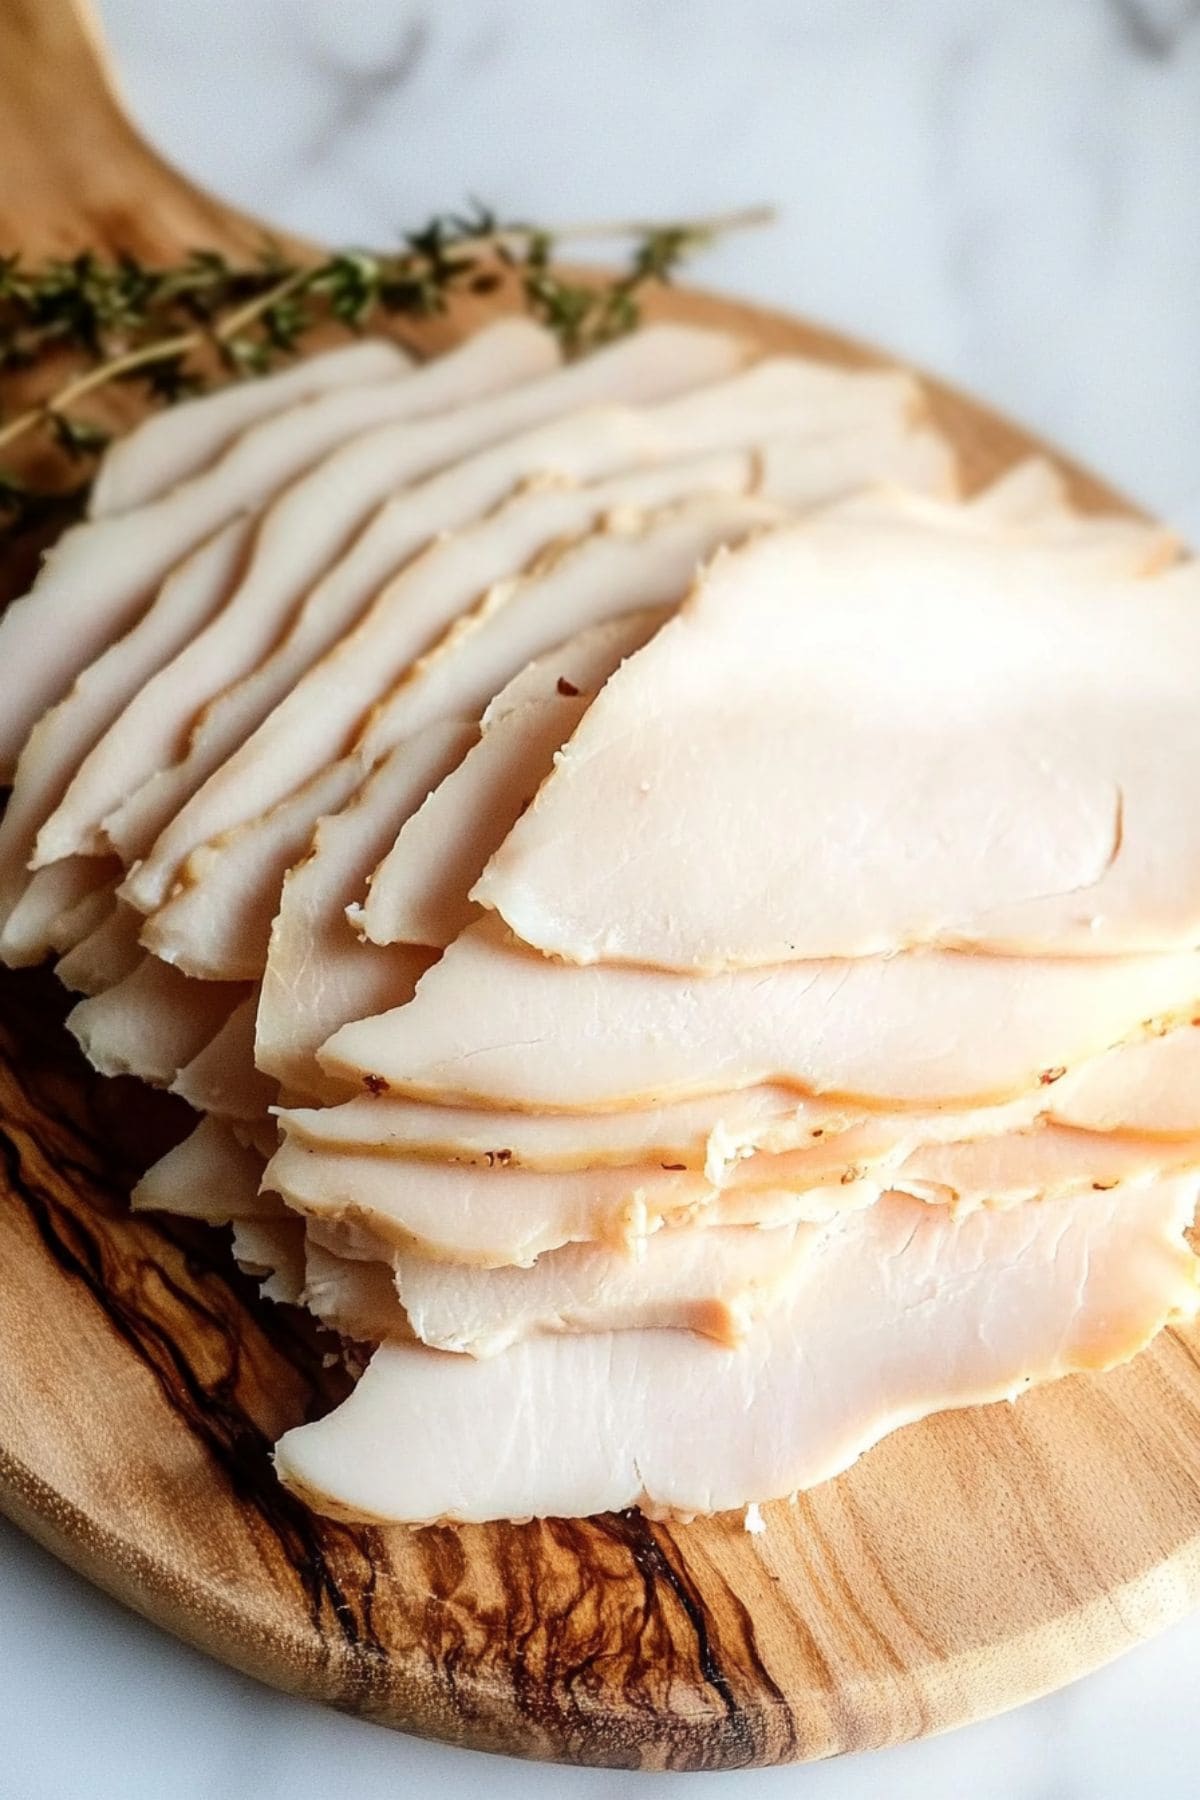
(125, 318)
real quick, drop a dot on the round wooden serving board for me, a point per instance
(965, 1565)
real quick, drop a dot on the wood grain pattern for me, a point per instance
(966, 1564)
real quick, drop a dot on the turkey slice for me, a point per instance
(914, 695)
(272, 1250)
(1105, 546)
(169, 446)
(772, 398)
(1040, 1163)
(152, 1022)
(209, 1176)
(1151, 1087)
(82, 917)
(64, 734)
(106, 955)
(100, 575)
(217, 923)
(318, 974)
(583, 446)
(320, 719)
(499, 1217)
(717, 1283)
(418, 894)
(498, 1025)
(582, 662)
(55, 902)
(793, 473)
(356, 1298)
(312, 525)
(222, 1078)
(900, 1311)
(713, 1132)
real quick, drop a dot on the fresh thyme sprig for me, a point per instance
(122, 320)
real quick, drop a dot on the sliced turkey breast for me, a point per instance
(217, 923)
(502, 1216)
(317, 973)
(310, 526)
(714, 1132)
(1151, 1087)
(1101, 546)
(222, 1078)
(169, 446)
(792, 474)
(418, 894)
(357, 1299)
(319, 720)
(55, 902)
(1040, 804)
(64, 734)
(209, 1176)
(152, 1022)
(583, 446)
(102, 573)
(84, 915)
(106, 955)
(495, 1024)
(717, 1283)
(900, 1311)
(1037, 1164)
(272, 1250)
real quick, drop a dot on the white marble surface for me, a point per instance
(1007, 191)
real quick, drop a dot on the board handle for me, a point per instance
(74, 172)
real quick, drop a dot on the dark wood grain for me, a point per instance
(964, 1565)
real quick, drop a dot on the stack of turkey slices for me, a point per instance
(679, 929)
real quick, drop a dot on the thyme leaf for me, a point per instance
(122, 320)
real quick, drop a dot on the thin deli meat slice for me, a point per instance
(58, 906)
(356, 1298)
(320, 719)
(210, 1176)
(106, 955)
(151, 1023)
(418, 894)
(715, 1132)
(1151, 1087)
(222, 1079)
(582, 445)
(169, 446)
(717, 1283)
(272, 1250)
(501, 1217)
(498, 1025)
(902, 1310)
(101, 574)
(1041, 804)
(315, 523)
(318, 975)
(65, 733)
(217, 923)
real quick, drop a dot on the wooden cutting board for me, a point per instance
(965, 1565)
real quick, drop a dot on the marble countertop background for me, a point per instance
(1007, 191)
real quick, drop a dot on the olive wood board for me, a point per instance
(966, 1564)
